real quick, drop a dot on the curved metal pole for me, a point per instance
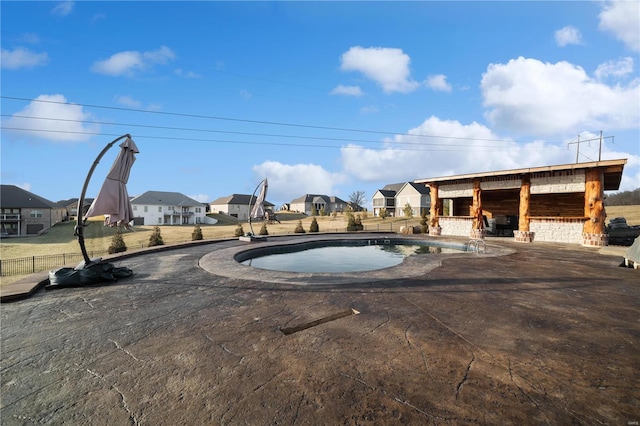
(79, 228)
(251, 199)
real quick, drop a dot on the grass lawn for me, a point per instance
(60, 238)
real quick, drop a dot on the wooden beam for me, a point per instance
(525, 195)
(476, 208)
(436, 205)
(593, 202)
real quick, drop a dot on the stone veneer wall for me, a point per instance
(557, 229)
(543, 183)
(456, 225)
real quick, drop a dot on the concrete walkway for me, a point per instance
(528, 334)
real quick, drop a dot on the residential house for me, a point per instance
(167, 208)
(236, 205)
(414, 195)
(386, 198)
(25, 213)
(72, 206)
(308, 202)
(394, 197)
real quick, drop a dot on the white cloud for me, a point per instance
(388, 67)
(459, 149)
(439, 83)
(290, 181)
(622, 19)
(568, 35)
(21, 57)
(186, 74)
(128, 101)
(615, 68)
(347, 90)
(369, 109)
(530, 97)
(56, 121)
(203, 198)
(129, 62)
(64, 8)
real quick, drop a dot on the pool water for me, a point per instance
(334, 259)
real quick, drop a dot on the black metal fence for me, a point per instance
(33, 264)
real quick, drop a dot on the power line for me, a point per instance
(460, 148)
(189, 129)
(271, 123)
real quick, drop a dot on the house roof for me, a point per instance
(612, 172)
(394, 186)
(312, 198)
(386, 193)
(238, 199)
(13, 197)
(165, 199)
(421, 188)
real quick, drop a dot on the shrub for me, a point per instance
(424, 225)
(314, 226)
(263, 230)
(196, 234)
(299, 229)
(383, 213)
(156, 238)
(239, 231)
(117, 243)
(314, 211)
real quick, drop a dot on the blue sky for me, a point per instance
(318, 97)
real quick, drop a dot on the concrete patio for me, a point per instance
(535, 333)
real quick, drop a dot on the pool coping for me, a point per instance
(223, 262)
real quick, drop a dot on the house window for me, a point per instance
(135, 208)
(146, 209)
(198, 209)
(159, 209)
(35, 213)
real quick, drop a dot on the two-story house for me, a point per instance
(236, 205)
(167, 208)
(386, 198)
(25, 213)
(308, 202)
(395, 197)
(414, 195)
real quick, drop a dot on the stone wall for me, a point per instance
(544, 183)
(557, 229)
(456, 225)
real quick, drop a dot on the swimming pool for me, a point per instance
(339, 256)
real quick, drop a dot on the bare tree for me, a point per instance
(357, 198)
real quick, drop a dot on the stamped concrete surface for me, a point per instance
(527, 334)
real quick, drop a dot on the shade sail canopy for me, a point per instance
(113, 199)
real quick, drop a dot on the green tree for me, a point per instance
(408, 211)
(239, 232)
(314, 211)
(383, 213)
(322, 211)
(424, 224)
(196, 235)
(299, 229)
(314, 226)
(354, 224)
(156, 238)
(117, 243)
(263, 230)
